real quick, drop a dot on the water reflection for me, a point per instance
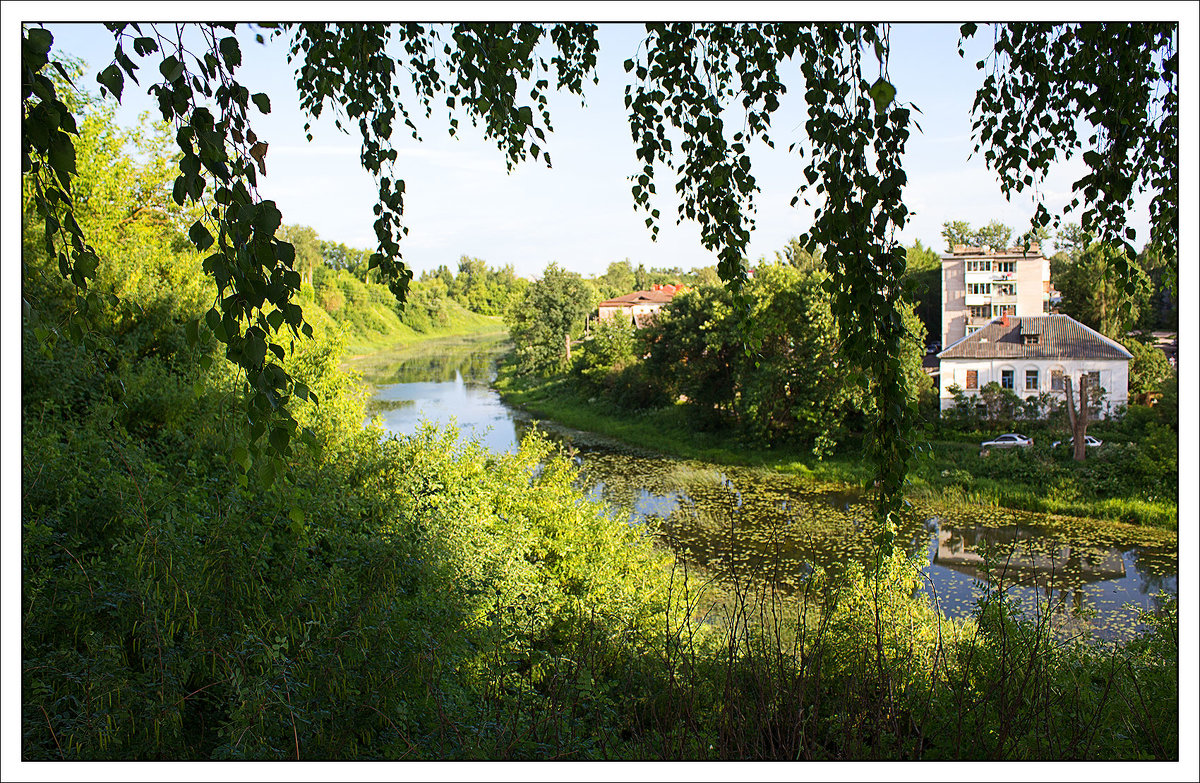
(741, 523)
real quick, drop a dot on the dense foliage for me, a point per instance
(772, 371)
(478, 287)
(548, 316)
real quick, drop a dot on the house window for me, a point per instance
(1006, 379)
(979, 288)
(980, 311)
(979, 266)
(1031, 380)
(1093, 382)
(1046, 306)
(1056, 380)
(972, 379)
(1031, 339)
(1006, 289)
(999, 310)
(1006, 266)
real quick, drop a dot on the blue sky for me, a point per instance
(462, 201)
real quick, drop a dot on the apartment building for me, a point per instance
(979, 284)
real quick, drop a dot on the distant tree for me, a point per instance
(800, 257)
(308, 249)
(922, 283)
(1093, 295)
(1162, 309)
(1071, 240)
(551, 311)
(957, 232)
(705, 275)
(1148, 369)
(619, 279)
(339, 256)
(995, 235)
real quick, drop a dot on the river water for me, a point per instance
(727, 521)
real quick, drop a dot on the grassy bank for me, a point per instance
(1036, 479)
(372, 322)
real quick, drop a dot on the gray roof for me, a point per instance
(1060, 337)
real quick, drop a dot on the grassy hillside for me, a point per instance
(373, 319)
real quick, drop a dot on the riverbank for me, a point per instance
(1037, 479)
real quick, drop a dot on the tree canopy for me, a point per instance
(714, 86)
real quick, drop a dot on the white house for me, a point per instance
(1033, 354)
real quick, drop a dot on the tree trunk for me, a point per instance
(1079, 418)
(568, 340)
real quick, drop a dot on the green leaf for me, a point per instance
(171, 68)
(112, 80)
(262, 102)
(279, 439)
(39, 40)
(200, 236)
(882, 93)
(230, 52)
(266, 472)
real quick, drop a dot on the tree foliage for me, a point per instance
(550, 313)
(1094, 294)
(995, 234)
(1122, 80)
(774, 371)
(1148, 369)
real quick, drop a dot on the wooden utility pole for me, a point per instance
(1078, 418)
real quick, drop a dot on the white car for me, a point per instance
(1088, 440)
(1007, 441)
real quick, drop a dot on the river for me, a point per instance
(1095, 577)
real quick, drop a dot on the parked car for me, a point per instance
(1088, 440)
(1006, 441)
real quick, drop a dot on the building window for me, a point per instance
(972, 379)
(1046, 306)
(1031, 339)
(979, 266)
(1006, 289)
(1056, 380)
(1006, 379)
(1093, 383)
(980, 311)
(999, 310)
(979, 288)
(1006, 266)
(1031, 380)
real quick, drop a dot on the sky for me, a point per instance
(461, 200)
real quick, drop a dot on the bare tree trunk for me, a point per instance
(568, 339)
(1079, 418)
